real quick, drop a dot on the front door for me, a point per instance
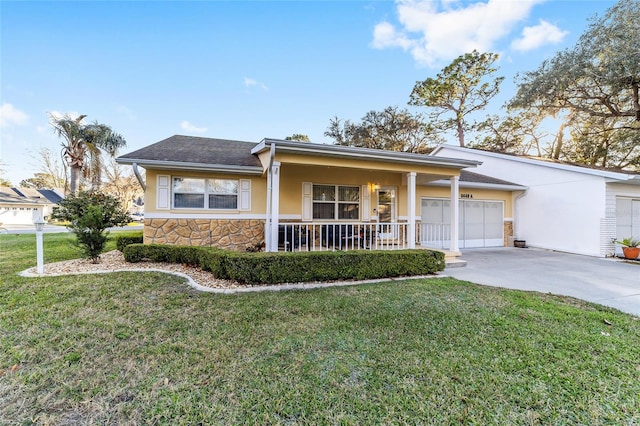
(387, 213)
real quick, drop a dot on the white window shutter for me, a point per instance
(366, 203)
(244, 195)
(163, 192)
(307, 201)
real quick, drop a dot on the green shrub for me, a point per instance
(207, 258)
(89, 215)
(277, 268)
(125, 238)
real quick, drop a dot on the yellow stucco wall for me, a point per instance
(477, 194)
(258, 191)
(293, 175)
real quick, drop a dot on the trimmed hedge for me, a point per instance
(125, 238)
(278, 268)
(207, 258)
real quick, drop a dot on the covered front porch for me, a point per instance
(338, 199)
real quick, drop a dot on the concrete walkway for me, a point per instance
(609, 282)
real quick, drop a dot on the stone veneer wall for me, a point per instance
(232, 234)
(508, 231)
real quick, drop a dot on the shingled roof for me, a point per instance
(28, 196)
(467, 176)
(195, 151)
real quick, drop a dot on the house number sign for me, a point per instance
(466, 195)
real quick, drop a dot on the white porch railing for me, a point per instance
(322, 236)
(434, 235)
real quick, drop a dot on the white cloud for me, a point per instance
(185, 125)
(123, 110)
(250, 82)
(433, 31)
(541, 34)
(9, 115)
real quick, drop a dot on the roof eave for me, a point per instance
(188, 166)
(617, 176)
(479, 185)
(363, 153)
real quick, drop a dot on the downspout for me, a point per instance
(267, 234)
(139, 177)
(516, 213)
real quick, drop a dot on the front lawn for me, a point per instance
(144, 348)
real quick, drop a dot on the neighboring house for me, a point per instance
(299, 195)
(567, 208)
(23, 206)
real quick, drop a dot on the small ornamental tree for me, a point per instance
(89, 214)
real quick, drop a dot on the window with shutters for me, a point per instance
(194, 193)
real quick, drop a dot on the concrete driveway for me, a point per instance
(609, 282)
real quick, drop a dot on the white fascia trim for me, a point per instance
(247, 216)
(170, 215)
(176, 165)
(364, 153)
(479, 185)
(633, 180)
(532, 161)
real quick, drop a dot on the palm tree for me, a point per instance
(83, 145)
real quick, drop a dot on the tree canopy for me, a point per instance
(391, 129)
(461, 88)
(83, 145)
(51, 173)
(599, 76)
(298, 137)
(593, 88)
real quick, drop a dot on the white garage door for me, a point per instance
(18, 215)
(627, 218)
(480, 223)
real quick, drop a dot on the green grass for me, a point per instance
(144, 348)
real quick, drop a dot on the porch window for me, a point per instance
(336, 202)
(193, 193)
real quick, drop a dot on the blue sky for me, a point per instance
(247, 70)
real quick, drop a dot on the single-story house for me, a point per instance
(303, 196)
(23, 206)
(565, 207)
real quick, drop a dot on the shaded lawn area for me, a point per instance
(145, 348)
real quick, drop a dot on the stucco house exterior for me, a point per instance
(565, 207)
(23, 206)
(303, 196)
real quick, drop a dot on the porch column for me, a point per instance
(411, 209)
(275, 204)
(455, 212)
